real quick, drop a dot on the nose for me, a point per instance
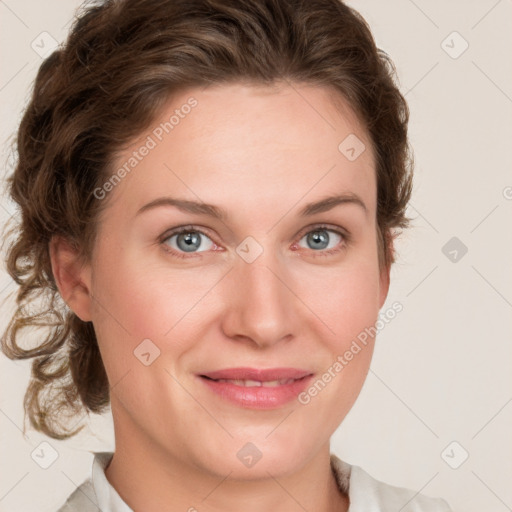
(261, 306)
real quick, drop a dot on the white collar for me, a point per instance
(108, 499)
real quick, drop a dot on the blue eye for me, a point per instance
(188, 240)
(319, 239)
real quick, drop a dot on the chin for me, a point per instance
(251, 457)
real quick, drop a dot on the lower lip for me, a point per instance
(258, 397)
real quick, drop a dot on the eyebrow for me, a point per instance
(187, 206)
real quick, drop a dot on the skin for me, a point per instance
(261, 154)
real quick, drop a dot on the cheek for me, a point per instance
(355, 303)
(127, 309)
(350, 309)
(345, 300)
(135, 302)
(143, 299)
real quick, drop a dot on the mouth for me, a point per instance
(257, 388)
(255, 383)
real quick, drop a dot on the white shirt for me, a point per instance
(365, 493)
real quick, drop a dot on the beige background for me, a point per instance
(442, 368)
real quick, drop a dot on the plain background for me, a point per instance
(440, 382)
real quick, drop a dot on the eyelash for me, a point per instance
(346, 240)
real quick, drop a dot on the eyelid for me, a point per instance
(204, 231)
(328, 227)
(184, 229)
(342, 232)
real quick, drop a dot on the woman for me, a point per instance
(213, 188)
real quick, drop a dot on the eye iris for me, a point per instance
(191, 239)
(321, 237)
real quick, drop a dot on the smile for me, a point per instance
(257, 383)
(257, 389)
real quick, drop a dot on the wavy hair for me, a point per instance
(120, 64)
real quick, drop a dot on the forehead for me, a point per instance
(246, 146)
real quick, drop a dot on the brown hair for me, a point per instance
(119, 66)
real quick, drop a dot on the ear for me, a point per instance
(384, 285)
(385, 276)
(72, 277)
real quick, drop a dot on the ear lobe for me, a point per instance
(384, 285)
(385, 276)
(72, 277)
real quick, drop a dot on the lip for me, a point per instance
(262, 374)
(257, 397)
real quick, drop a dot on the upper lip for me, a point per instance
(262, 375)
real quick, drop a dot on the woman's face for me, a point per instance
(272, 283)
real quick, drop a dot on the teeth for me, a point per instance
(274, 383)
(257, 383)
(249, 383)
